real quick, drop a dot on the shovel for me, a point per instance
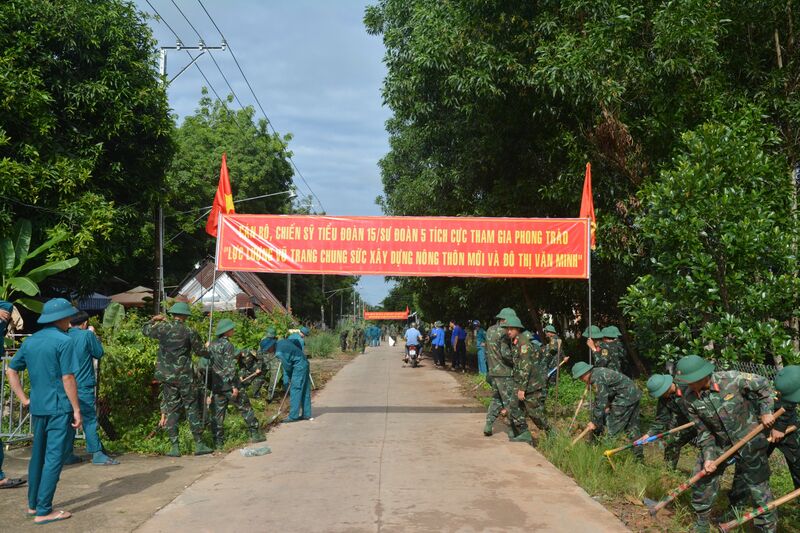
(654, 507)
(280, 407)
(609, 453)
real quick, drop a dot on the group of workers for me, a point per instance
(717, 409)
(60, 362)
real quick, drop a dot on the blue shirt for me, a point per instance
(412, 336)
(87, 349)
(458, 333)
(48, 354)
(437, 337)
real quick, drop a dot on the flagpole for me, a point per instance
(589, 267)
(211, 317)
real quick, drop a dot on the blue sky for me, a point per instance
(318, 75)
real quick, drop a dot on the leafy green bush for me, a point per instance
(322, 344)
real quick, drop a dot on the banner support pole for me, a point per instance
(211, 318)
(589, 271)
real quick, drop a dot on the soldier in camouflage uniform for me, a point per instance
(616, 399)
(176, 343)
(725, 406)
(501, 376)
(260, 362)
(226, 387)
(611, 350)
(787, 383)
(553, 348)
(529, 373)
(670, 413)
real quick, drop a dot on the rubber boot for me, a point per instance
(175, 451)
(257, 436)
(703, 523)
(200, 448)
(525, 436)
(488, 429)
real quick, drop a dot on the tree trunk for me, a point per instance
(632, 351)
(536, 324)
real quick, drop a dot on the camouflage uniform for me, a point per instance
(223, 367)
(530, 376)
(249, 362)
(790, 445)
(670, 413)
(617, 392)
(724, 414)
(610, 355)
(176, 343)
(501, 376)
(553, 353)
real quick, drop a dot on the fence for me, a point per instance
(768, 371)
(15, 421)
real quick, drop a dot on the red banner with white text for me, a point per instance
(385, 315)
(405, 246)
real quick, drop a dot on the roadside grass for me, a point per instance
(322, 345)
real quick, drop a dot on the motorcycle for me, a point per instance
(413, 355)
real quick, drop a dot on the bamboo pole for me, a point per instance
(580, 404)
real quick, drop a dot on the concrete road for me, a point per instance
(392, 449)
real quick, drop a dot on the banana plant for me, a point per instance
(15, 255)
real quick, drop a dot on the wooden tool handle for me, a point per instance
(758, 511)
(583, 434)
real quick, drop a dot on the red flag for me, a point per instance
(223, 200)
(587, 204)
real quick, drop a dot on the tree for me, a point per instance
(84, 130)
(722, 283)
(497, 106)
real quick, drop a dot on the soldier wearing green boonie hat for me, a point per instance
(225, 386)
(670, 413)
(552, 352)
(619, 394)
(521, 351)
(725, 406)
(787, 383)
(176, 344)
(500, 364)
(611, 352)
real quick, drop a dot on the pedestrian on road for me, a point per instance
(529, 380)
(176, 343)
(725, 406)
(226, 387)
(616, 400)
(412, 339)
(50, 358)
(296, 367)
(500, 375)
(671, 412)
(459, 340)
(88, 350)
(480, 342)
(437, 344)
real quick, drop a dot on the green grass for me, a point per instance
(322, 345)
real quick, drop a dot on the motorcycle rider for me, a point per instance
(412, 339)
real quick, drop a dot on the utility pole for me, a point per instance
(322, 303)
(158, 215)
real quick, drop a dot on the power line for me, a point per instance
(258, 102)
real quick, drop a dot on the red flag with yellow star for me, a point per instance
(223, 200)
(587, 203)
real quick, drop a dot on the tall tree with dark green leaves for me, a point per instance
(497, 106)
(85, 132)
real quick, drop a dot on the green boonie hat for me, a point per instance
(611, 332)
(305, 331)
(506, 313)
(54, 310)
(512, 322)
(693, 368)
(580, 368)
(788, 383)
(271, 333)
(658, 384)
(180, 308)
(224, 325)
(550, 328)
(594, 333)
(437, 324)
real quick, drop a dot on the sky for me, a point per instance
(318, 76)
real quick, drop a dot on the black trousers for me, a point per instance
(438, 355)
(460, 354)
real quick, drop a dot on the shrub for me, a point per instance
(322, 345)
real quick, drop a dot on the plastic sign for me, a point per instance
(405, 246)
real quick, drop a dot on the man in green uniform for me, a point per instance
(87, 349)
(529, 375)
(612, 351)
(501, 376)
(725, 406)
(670, 413)
(226, 387)
(176, 343)
(593, 337)
(787, 383)
(49, 356)
(553, 349)
(617, 394)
